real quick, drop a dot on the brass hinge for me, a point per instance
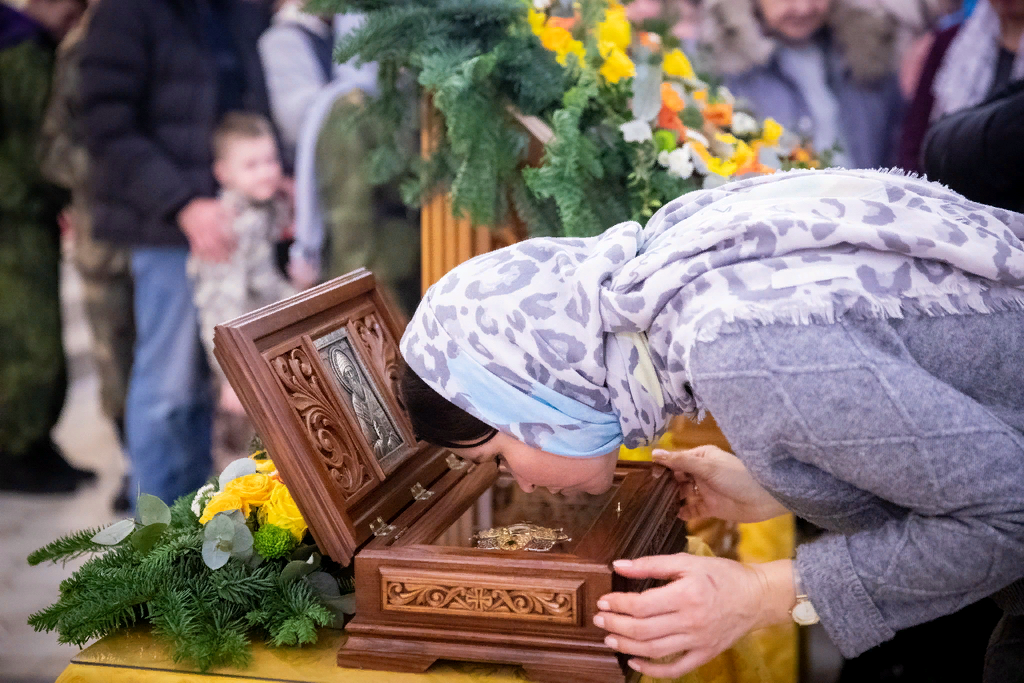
(420, 493)
(381, 528)
(455, 462)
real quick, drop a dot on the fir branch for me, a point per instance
(68, 547)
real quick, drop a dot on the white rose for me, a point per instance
(698, 163)
(636, 131)
(696, 137)
(541, 5)
(677, 162)
(744, 124)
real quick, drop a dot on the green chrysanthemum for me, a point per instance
(271, 541)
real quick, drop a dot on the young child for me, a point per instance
(247, 166)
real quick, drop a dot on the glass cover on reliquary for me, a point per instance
(504, 517)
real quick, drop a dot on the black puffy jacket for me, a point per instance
(149, 107)
(979, 152)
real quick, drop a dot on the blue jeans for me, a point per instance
(169, 412)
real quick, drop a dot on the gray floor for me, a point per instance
(28, 522)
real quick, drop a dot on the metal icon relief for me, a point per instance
(349, 375)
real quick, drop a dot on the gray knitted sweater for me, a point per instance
(904, 438)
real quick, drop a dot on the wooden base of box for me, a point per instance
(413, 650)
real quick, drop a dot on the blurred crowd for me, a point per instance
(205, 157)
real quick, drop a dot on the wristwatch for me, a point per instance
(803, 611)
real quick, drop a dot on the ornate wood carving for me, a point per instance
(530, 604)
(383, 353)
(322, 420)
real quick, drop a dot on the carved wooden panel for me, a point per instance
(325, 426)
(545, 601)
(383, 353)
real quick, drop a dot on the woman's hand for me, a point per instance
(708, 605)
(714, 483)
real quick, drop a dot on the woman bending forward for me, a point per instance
(859, 337)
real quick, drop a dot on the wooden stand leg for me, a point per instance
(366, 653)
(541, 666)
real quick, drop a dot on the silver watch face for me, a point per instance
(804, 613)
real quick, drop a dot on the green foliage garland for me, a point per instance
(602, 87)
(207, 615)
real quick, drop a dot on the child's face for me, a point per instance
(532, 467)
(250, 166)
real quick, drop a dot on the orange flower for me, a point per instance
(670, 99)
(669, 120)
(718, 114)
(563, 22)
(652, 41)
(801, 155)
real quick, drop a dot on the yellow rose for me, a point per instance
(265, 466)
(676, 64)
(536, 20)
(225, 501)
(254, 489)
(721, 167)
(574, 47)
(617, 67)
(772, 131)
(614, 31)
(282, 511)
(742, 155)
(555, 38)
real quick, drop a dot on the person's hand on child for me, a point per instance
(302, 273)
(207, 225)
(714, 483)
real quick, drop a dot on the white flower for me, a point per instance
(636, 131)
(696, 137)
(698, 163)
(202, 496)
(677, 162)
(541, 5)
(726, 96)
(744, 124)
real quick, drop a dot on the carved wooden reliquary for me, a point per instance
(452, 559)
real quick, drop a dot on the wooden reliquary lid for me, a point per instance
(317, 373)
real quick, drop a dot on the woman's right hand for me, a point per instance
(714, 483)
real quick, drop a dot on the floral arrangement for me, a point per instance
(626, 123)
(206, 572)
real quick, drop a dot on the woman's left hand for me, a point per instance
(708, 604)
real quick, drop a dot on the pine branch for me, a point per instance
(68, 548)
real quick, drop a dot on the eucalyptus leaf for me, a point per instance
(303, 552)
(214, 557)
(646, 91)
(115, 533)
(296, 569)
(713, 180)
(152, 510)
(769, 157)
(235, 469)
(325, 585)
(339, 607)
(220, 528)
(241, 543)
(348, 603)
(145, 538)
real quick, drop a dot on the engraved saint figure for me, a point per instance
(373, 421)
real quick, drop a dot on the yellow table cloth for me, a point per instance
(136, 656)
